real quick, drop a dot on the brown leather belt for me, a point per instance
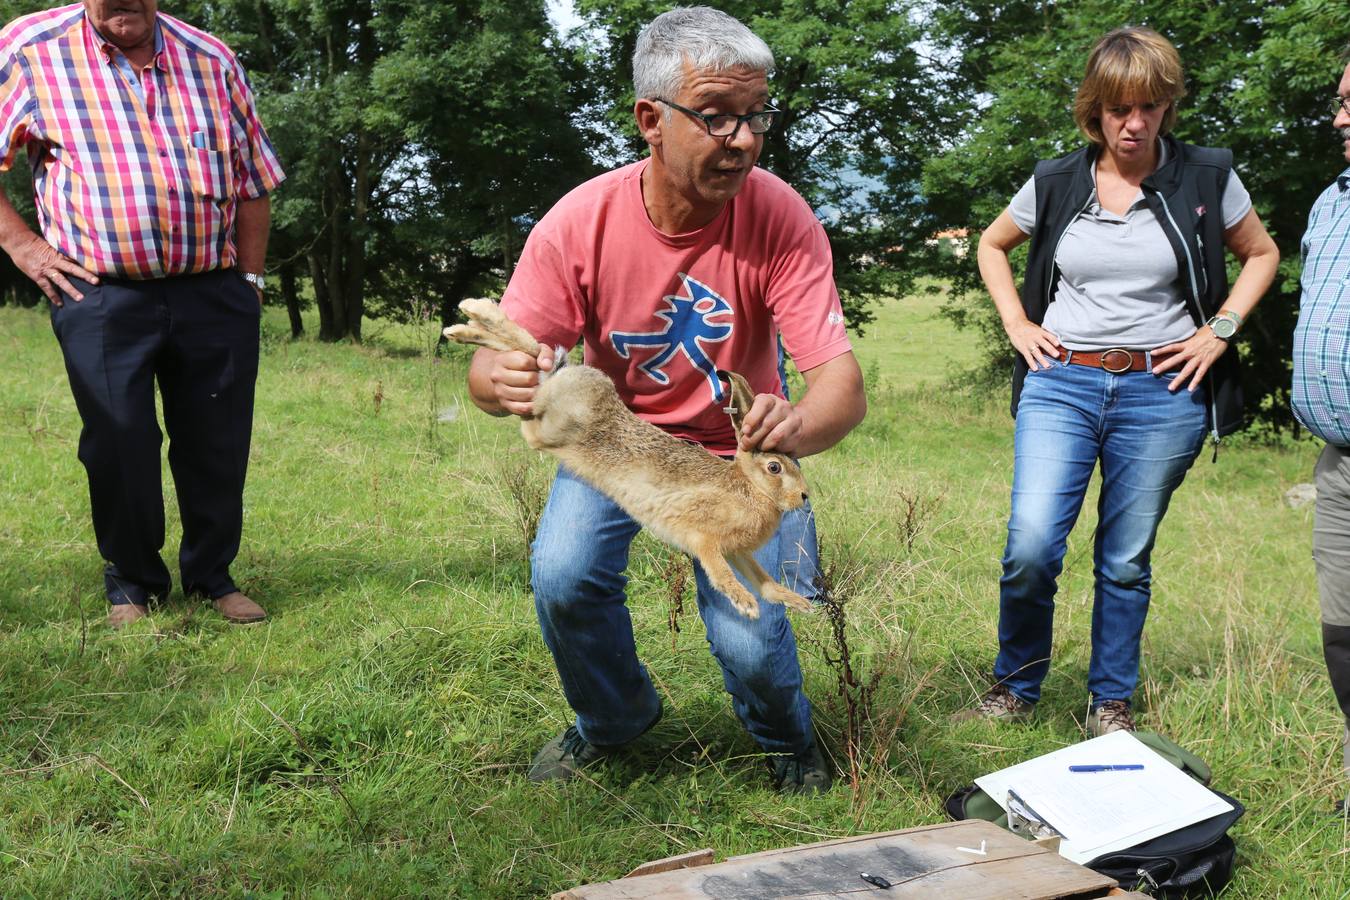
(1116, 360)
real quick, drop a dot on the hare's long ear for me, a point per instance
(742, 397)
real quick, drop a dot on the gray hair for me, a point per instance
(705, 38)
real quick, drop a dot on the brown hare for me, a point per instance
(718, 511)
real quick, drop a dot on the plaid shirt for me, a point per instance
(1321, 398)
(137, 183)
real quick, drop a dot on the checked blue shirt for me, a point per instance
(1321, 396)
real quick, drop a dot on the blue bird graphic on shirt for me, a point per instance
(688, 327)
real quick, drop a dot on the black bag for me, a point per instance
(1195, 861)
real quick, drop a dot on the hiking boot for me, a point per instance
(999, 704)
(801, 773)
(1109, 716)
(563, 758)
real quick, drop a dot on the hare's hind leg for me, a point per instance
(489, 327)
(768, 589)
(724, 580)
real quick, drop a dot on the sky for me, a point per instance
(561, 14)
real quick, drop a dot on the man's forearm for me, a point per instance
(833, 405)
(14, 231)
(252, 222)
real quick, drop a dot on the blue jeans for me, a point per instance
(578, 560)
(1146, 438)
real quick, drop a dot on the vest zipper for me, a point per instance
(1052, 281)
(1204, 273)
(1200, 314)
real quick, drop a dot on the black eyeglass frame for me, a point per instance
(1340, 105)
(748, 120)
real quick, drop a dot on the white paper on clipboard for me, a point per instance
(1099, 812)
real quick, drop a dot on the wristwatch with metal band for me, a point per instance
(259, 283)
(1224, 324)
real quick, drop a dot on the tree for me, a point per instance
(1258, 75)
(485, 97)
(863, 111)
(420, 139)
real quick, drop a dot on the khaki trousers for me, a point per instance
(1331, 555)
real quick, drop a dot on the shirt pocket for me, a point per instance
(208, 168)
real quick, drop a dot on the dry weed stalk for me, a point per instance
(419, 316)
(527, 493)
(835, 589)
(918, 508)
(674, 573)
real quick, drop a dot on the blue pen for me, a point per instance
(1122, 767)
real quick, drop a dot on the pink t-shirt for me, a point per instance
(661, 313)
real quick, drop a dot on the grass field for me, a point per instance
(371, 738)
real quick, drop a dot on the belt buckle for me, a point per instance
(1117, 369)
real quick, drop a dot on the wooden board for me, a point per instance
(919, 862)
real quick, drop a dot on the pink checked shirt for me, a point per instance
(136, 184)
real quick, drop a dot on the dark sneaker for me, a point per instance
(801, 773)
(563, 758)
(1109, 716)
(998, 704)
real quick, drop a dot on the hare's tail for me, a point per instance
(489, 327)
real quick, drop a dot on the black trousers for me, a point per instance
(197, 336)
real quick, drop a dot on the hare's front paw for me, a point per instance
(776, 593)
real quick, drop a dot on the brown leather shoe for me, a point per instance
(122, 613)
(237, 608)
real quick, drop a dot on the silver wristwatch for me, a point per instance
(259, 283)
(1225, 324)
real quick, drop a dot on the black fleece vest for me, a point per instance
(1185, 195)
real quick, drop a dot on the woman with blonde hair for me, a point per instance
(1121, 334)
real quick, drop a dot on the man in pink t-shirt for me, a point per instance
(667, 270)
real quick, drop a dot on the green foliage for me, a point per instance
(863, 111)
(422, 139)
(486, 165)
(1258, 75)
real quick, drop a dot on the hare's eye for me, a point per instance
(775, 467)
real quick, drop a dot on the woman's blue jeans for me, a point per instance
(1070, 417)
(578, 560)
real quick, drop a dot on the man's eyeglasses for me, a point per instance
(1340, 105)
(726, 125)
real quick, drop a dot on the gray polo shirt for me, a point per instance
(1118, 283)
